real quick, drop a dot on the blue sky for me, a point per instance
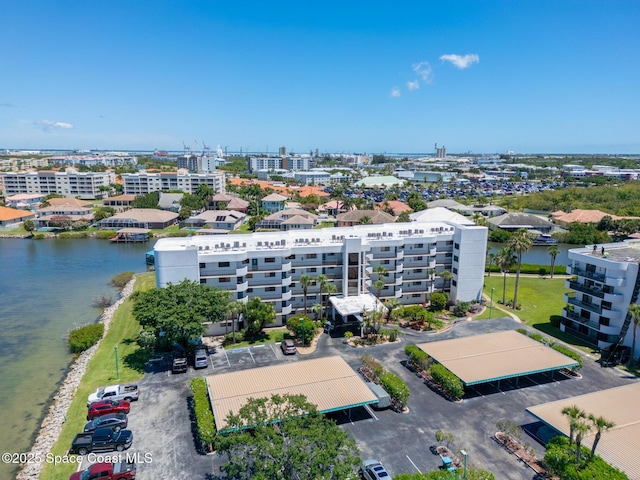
(481, 76)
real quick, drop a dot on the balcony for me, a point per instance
(598, 277)
(587, 306)
(398, 280)
(287, 295)
(399, 254)
(577, 318)
(286, 281)
(286, 267)
(242, 271)
(398, 293)
(286, 310)
(242, 287)
(580, 287)
(613, 297)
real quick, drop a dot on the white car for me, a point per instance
(374, 470)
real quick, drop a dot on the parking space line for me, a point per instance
(414, 465)
(274, 352)
(258, 346)
(249, 350)
(227, 357)
(370, 412)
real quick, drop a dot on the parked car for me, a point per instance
(200, 358)
(103, 440)
(114, 392)
(179, 362)
(288, 347)
(374, 470)
(114, 421)
(104, 407)
(107, 471)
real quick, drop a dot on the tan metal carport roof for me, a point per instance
(495, 356)
(330, 383)
(619, 446)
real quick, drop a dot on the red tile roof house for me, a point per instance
(74, 212)
(11, 218)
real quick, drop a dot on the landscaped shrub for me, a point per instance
(372, 365)
(522, 331)
(228, 338)
(569, 353)
(539, 338)
(438, 301)
(417, 357)
(295, 324)
(461, 309)
(395, 387)
(204, 416)
(120, 280)
(447, 381)
(560, 457)
(83, 338)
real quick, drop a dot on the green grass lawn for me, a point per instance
(541, 298)
(268, 336)
(102, 371)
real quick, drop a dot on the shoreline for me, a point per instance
(55, 417)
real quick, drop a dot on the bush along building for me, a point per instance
(604, 284)
(367, 264)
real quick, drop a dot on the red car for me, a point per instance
(103, 407)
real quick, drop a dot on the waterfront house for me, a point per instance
(119, 202)
(75, 213)
(11, 218)
(274, 202)
(140, 218)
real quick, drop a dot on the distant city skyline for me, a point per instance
(548, 76)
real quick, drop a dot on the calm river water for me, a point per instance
(46, 289)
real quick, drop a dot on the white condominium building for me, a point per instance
(70, 183)
(269, 264)
(291, 164)
(605, 282)
(145, 182)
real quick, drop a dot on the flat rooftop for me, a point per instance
(628, 251)
(620, 445)
(329, 382)
(492, 357)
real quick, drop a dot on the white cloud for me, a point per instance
(395, 92)
(423, 69)
(415, 85)
(49, 126)
(461, 61)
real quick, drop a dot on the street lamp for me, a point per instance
(117, 373)
(491, 304)
(464, 454)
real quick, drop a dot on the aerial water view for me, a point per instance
(304, 240)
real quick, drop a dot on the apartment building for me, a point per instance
(269, 265)
(144, 182)
(70, 183)
(291, 164)
(604, 283)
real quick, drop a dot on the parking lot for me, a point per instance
(164, 430)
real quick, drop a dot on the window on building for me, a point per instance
(254, 262)
(454, 270)
(203, 281)
(270, 260)
(312, 270)
(223, 264)
(311, 255)
(456, 246)
(271, 274)
(418, 259)
(420, 245)
(415, 295)
(203, 265)
(455, 258)
(270, 289)
(224, 279)
(448, 254)
(454, 283)
(449, 243)
(385, 249)
(249, 290)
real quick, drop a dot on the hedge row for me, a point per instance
(83, 338)
(393, 385)
(204, 416)
(417, 357)
(450, 384)
(532, 269)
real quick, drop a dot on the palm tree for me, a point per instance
(519, 243)
(305, 281)
(574, 413)
(235, 308)
(321, 280)
(581, 428)
(391, 303)
(505, 261)
(634, 311)
(317, 308)
(553, 251)
(330, 289)
(601, 424)
(446, 277)
(492, 258)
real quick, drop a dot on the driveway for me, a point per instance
(164, 431)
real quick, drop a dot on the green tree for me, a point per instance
(553, 252)
(330, 289)
(29, 225)
(305, 282)
(317, 309)
(574, 414)
(446, 277)
(581, 428)
(403, 218)
(284, 437)
(601, 424)
(438, 301)
(258, 314)
(103, 212)
(175, 314)
(234, 310)
(365, 220)
(505, 260)
(147, 200)
(634, 311)
(520, 242)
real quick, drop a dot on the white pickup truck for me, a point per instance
(114, 392)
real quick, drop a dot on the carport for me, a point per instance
(492, 357)
(619, 445)
(329, 382)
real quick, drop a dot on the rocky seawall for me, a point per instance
(54, 420)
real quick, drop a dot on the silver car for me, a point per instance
(374, 470)
(200, 358)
